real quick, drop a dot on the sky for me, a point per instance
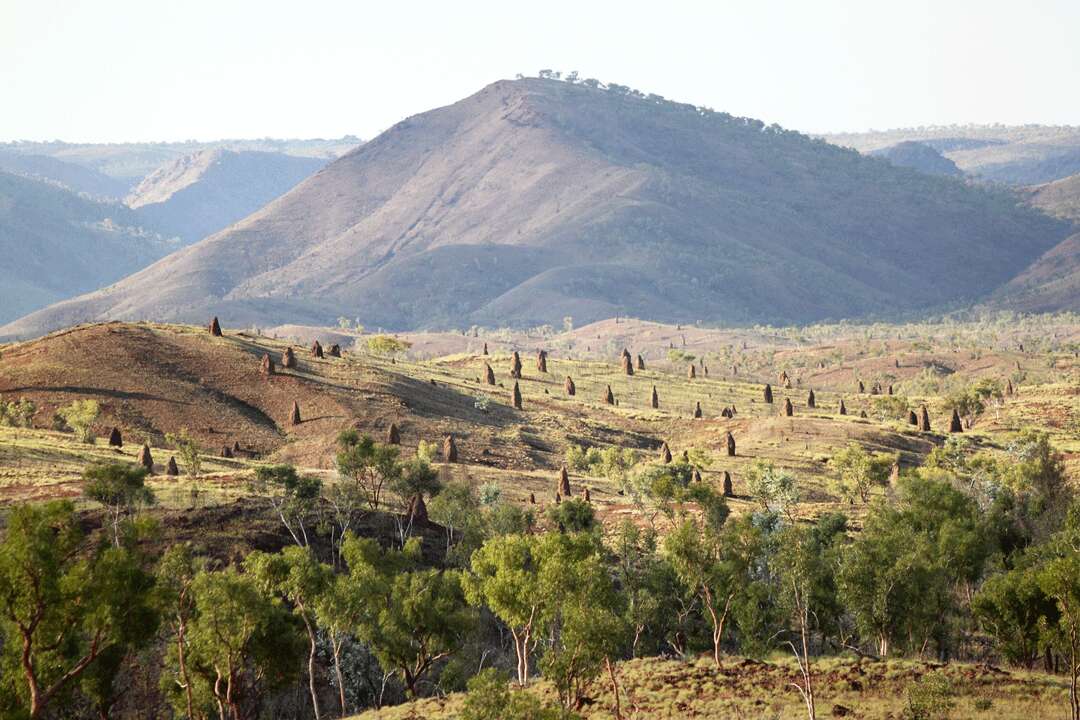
(148, 70)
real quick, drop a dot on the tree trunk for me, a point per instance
(311, 665)
(335, 643)
(614, 688)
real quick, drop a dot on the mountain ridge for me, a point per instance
(535, 199)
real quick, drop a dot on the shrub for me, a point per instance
(17, 414)
(929, 698)
(387, 345)
(80, 417)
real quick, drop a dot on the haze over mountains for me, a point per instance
(536, 199)
(1026, 155)
(199, 194)
(56, 244)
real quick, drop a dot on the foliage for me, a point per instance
(412, 617)
(80, 416)
(120, 488)
(241, 644)
(64, 606)
(387, 345)
(776, 489)
(18, 413)
(369, 466)
(490, 698)
(572, 515)
(188, 450)
(291, 495)
(929, 698)
(857, 472)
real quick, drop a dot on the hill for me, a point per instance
(1060, 198)
(921, 157)
(129, 163)
(67, 175)
(536, 199)
(199, 194)
(56, 244)
(1023, 155)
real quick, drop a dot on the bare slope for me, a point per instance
(55, 244)
(1060, 198)
(533, 200)
(199, 194)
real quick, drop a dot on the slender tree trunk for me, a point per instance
(614, 687)
(311, 665)
(181, 658)
(335, 643)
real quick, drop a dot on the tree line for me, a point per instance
(972, 556)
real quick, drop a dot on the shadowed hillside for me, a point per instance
(199, 194)
(56, 244)
(535, 199)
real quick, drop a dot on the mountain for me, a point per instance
(1050, 284)
(129, 163)
(68, 175)
(921, 157)
(1060, 198)
(199, 194)
(56, 244)
(1021, 155)
(537, 199)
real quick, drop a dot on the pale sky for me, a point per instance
(125, 70)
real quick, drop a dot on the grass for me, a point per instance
(661, 689)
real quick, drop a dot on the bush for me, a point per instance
(490, 698)
(80, 417)
(387, 345)
(929, 698)
(17, 414)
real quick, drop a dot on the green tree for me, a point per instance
(387, 345)
(457, 510)
(120, 488)
(1059, 578)
(80, 417)
(775, 488)
(416, 479)
(297, 577)
(414, 617)
(649, 584)
(1013, 608)
(904, 573)
(65, 605)
(241, 644)
(175, 574)
(368, 465)
(857, 472)
(703, 564)
(573, 515)
(291, 495)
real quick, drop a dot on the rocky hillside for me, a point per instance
(199, 194)
(56, 244)
(1060, 198)
(536, 199)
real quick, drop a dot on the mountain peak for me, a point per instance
(534, 199)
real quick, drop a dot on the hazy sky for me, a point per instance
(114, 70)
